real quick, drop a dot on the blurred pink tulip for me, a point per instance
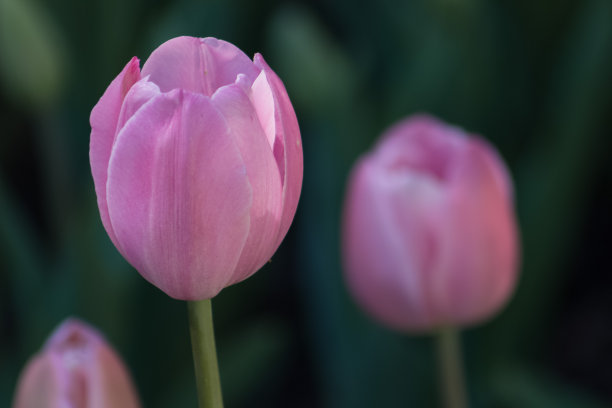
(429, 234)
(76, 368)
(197, 164)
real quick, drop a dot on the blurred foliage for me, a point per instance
(532, 77)
(32, 63)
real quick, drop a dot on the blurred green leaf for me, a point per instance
(525, 387)
(321, 75)
(194, 18)
(254, 356)
(32, 53)
(553, 181)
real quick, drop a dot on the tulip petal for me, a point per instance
(479, 241)
(39, 385)
(263, 174)
(389, 263)
(263, 101)
(103, 120)
(198, 65)
(287, 147)
(423, 144)
(140, 93)
(414, 202)
(108, 382)
(179, 197)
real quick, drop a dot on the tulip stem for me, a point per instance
(204, 354)
(450, 368)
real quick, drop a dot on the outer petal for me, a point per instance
(387, 263)
(179, 197)
(39, 385)
(263, 174)
(199, 65)
(103, 120)
(287, 147)
(140, 93)
(478, 259)
(109, 384)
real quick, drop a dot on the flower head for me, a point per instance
(197, 164)
(76, 368)
(429, 234)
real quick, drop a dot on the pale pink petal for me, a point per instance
(422, 144)
(199, 65)
(413, 203)
(479, 258)
(389, 243)
(103, 120)
(108, 384)
(140, 93)
(263, 101)
(263, 174)
(287, 147)
(39, 385)
(179, 196)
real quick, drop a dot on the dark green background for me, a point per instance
(534, 77)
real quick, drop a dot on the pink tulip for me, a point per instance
(75, 369)
(197, 164)
(429, 234)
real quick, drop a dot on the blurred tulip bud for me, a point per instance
(429, 234)
(197, 164)
(76, 368)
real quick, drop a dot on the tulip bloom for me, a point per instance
(76, 369)
(429, 234)
(197, 165)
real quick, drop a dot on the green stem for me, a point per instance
(450, 368)
(204, 354)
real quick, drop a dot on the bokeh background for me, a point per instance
(533, 77)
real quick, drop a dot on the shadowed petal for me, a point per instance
(479, 239)
(103, 120)
(287, 146)
(263, 174)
